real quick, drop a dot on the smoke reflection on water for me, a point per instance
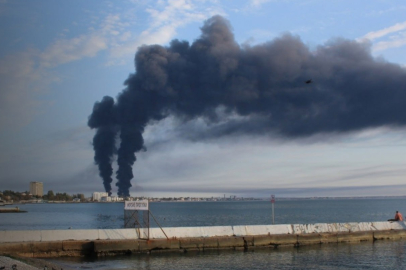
(367, 255)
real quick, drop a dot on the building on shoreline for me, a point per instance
(111, 199)
(37, 189)
(98, 195)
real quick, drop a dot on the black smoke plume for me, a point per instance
(277, 87)
(103, 119)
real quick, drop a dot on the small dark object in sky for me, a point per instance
(309, 81)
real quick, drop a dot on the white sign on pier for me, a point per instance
(136, 205)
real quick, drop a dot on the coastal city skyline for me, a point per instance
(57, 59)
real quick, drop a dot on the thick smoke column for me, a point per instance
(216, 79)
(102, 118)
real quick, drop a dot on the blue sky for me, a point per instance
(57, 58)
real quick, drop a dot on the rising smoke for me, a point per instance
(265, 84)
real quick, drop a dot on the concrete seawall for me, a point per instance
(11, 210)
(101, 242)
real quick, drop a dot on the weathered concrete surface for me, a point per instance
(261, 240)
(248, 242)
(196, 243)
(231, 242)
(64, 235)
(262, 229)
(210, 243)
(11, 210)
(128, 246)
(283, 240)
(20, 236)
(60, 235)
(54, 243)
(110, 247)
(78, 248)
(117, 234)
(176, 232)
(308, 239)
(193, 232)
(355, 237)
(160, 244)
(14, 248)
(392, 235)
(49, 249)
(326, 238)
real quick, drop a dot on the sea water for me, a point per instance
(367, 255)
(190, 214)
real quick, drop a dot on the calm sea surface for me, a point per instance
(378, 255)
(187, 214)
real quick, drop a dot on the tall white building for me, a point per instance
(37, 188)
(98, 195)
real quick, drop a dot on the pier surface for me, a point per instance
(11, 210)
(103, 242)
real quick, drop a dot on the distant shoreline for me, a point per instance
(178, 200)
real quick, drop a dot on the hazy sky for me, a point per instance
(57, 58)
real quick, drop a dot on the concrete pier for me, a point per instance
(12, 210)
(56, 243)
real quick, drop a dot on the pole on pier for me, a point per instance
(273, 209)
